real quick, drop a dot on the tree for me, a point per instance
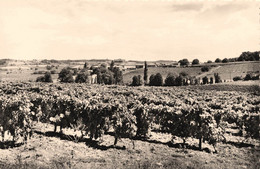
(217, 78)
(170, 80)
(218, 60)
(184, 62)
(195, 62)
(145, 72)
(179, 81)
(249, 56)
(46, 78)
(151, 80)
(156, 80)
(236, 78)
(108, 77)
(118, 75)
(66, 75)
(209, 61)
(211, 80)
(248, 77)
(112, 64)
(48, 67)
(82, 77)
(205, 80)
(205, 69)
(40, 79)
(137, 81)
(225, 60)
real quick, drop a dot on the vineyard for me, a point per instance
(92, 112)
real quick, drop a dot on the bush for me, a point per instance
(48, 67)
(218, 60)
(137, 81)
(82, 77)
(195, 62)
(248, 77)
(184, 62)
(217, 78)
(170, 80)
(225, 60)
(179, 81)
(236, 78)
(211, 80)
(156, 80)
(205, 69)
(66, 75)
(205, 80)
(46, 78)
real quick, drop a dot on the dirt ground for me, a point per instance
(49, 150)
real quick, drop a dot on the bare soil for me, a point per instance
(50, 150)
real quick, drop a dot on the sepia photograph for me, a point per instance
(129, 84)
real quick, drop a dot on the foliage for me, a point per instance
(112, 64)
(249, 56)
(66, 75)
(205, 80)
(225, 60)
(118, 75)
(46, 78)
(156, 80)
(145, 72)
(218, 60)
(137, 81)
(179, 81)
(82, 77)
(205, 69)
(195, 62)
(113, 75)
(217, 78)
(236, 78)
(127, 111)
(170, 80)
(250, 76)
(211, 80)
(184, 62)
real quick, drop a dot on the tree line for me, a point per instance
(104, 75)
(172, 80)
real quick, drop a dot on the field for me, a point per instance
(226, 71)
(128, 127)
(24, 71)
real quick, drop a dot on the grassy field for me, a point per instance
(21, 73)
(226, 71)
(47, 150)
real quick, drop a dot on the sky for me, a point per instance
(131, 30)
